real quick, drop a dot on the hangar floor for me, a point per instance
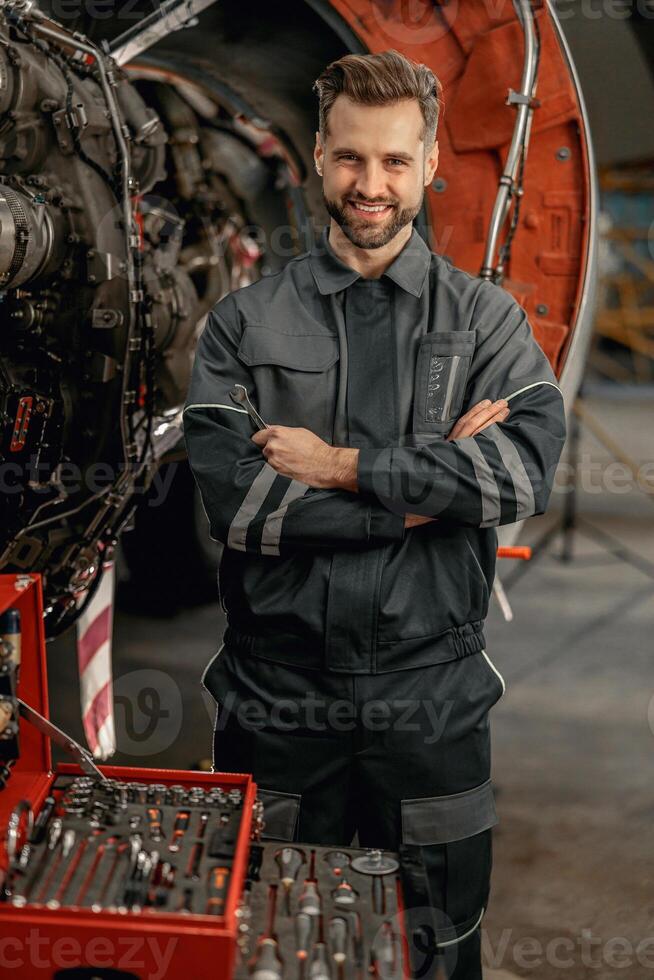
(573, 737)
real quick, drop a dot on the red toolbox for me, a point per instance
(42, 940)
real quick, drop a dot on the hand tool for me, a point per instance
(337, 861)
(303, 930)
(319, 965)
(135, 847)
(195, 857)
(93, 870)
(289, 860)
(186, 902)
(179, 829)
(66, 841)
(176, 794)
(338, 939)
(154, 820)
(309, 900)
(111, 874)
(41, 822)
(218, 878)
(157, 793)
(357, 937)
(73, 864)
(22, 809)
(374, 862)
(239, 394)
(383, 955)
(378, 896)
(53, 835)
(204, 820)
(266, 964)
(344, 894)
(81, 755)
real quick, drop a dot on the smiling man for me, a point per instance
(409, 411)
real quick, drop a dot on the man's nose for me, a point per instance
(371, 184)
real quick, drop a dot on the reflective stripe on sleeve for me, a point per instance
(252, 502)
(512, 461)
(491, 509)
(272, 529)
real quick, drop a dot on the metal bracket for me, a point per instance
(519, 98)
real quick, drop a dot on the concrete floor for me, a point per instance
(573, 743)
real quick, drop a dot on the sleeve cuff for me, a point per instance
(385, 525)
(365, 468)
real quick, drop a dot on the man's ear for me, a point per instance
(318, 153)
(432, 164)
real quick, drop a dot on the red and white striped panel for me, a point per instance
(94, 635)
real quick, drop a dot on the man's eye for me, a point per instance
(401, 162)
(347, 156)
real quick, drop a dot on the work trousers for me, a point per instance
(395, 758)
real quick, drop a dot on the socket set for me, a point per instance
(320, 913)
(127, 847)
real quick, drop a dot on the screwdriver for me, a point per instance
(338, 939)
(378, 895)
(218, 878)
(289, 860)
(344, 894)
(266, 964)
(383, 954)
(303, 928)
(41, 822)
(193, 865)
(154, 820)
(319, 965)
(337, 861)
(179, 828)
(309, 900)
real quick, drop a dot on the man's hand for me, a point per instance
(478, 417)
(482, 414)
(301, 455)
(304, 456)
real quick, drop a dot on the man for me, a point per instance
(409, 412)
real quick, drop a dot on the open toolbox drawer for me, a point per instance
(55, 942)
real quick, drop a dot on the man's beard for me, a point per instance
(371, 235)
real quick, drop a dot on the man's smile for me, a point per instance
(370, 211)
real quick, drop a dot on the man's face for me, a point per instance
(374, 156)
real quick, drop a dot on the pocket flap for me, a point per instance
(302, 352)
(451, 341)
(442, 819)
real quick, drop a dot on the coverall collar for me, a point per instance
(408, 269)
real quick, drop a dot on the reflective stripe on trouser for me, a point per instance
(397, 758)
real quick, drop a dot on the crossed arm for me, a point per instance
(285, 489)
(301, 455)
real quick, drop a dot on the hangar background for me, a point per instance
(574, 734)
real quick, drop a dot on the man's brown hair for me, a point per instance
(379, 79)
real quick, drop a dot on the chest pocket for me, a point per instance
(442, 367)
(295, 376)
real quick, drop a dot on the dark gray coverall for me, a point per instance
(353, 680)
